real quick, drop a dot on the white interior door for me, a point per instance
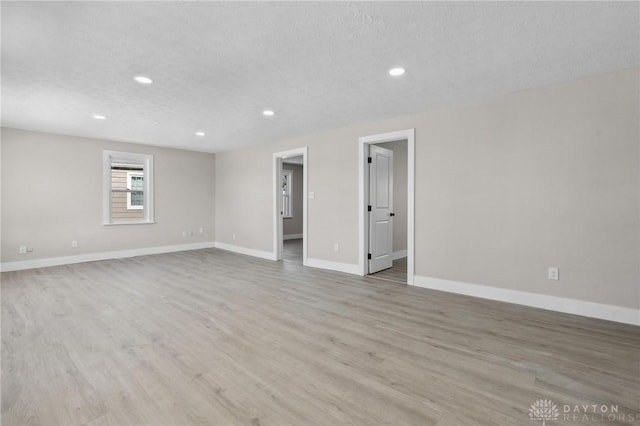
(380, 208)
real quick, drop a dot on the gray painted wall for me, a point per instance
(504, 189)
(52, 194)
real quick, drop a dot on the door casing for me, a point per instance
(363, 198)
(277, 201)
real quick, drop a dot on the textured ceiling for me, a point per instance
(216, 66)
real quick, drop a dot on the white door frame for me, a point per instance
(363, 179)
(277, 218)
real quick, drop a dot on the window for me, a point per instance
(128, 188)
(135, 184)
(287, 191)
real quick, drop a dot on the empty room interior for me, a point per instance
(320, 213)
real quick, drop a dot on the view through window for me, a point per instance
(128, 188)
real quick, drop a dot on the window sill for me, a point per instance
(144, 222)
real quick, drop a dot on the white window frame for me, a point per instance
(120, 157)
(129, 205)
(287, 211)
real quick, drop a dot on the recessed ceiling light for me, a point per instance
(99, 117)
(396, 72)
(142, 79)
(268, 112)
(199, 133)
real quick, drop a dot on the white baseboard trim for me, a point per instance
(536, 300)
(245, 250)
(398, 254)
(92, 257)
(348, 268)
(291, 236)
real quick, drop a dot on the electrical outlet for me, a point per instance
(201, 231)
(553, 274)
(184, 233)
(336, 247)
(312, 195)
(233, 237)
(74, 244)
(22, 250)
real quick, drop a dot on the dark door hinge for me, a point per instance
(369, 256)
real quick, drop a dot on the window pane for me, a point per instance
(137, 198)
(137, 182)
(120, 212)
(127, 205)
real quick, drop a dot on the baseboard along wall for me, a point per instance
(535, 300)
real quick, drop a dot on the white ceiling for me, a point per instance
(216, 66)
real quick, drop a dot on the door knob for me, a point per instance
(392, 214)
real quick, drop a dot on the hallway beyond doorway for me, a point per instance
(292, 250)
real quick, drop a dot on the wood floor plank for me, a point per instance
(211, 337)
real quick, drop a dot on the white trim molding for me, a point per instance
(535, 300)
(245, 250)
(92, 257)
(292, 236)
(347, 268)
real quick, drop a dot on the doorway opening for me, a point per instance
(290, 205)
(386, 222)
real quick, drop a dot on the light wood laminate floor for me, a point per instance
(292, 250)
(397, 272)
(211, 337)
